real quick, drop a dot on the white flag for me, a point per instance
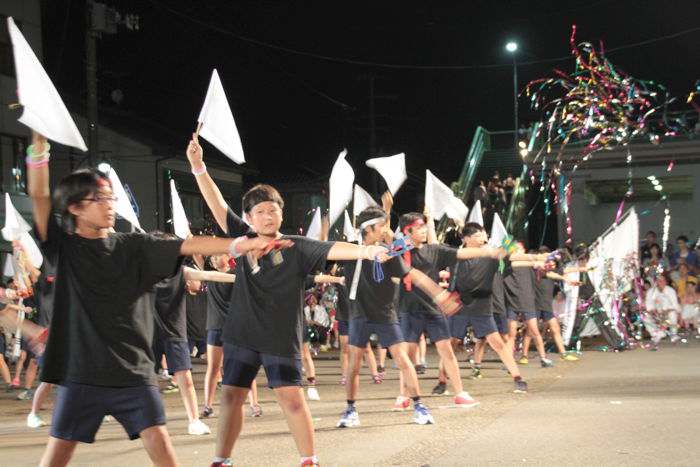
(8, 269)
(348, 229)
(498, 232)
(476, 215)
(361, 201)
(123, 205)
(314, 230)
(17, 229)
(440, 200)
(217, 124)
(340, 184)
(181, 226)
(44, 111)
(392, 169)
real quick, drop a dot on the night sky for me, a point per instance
(296, 112)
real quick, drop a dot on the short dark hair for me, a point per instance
(371, 212)
(409, 218)
(682, 237)
(544, 249)
(259, 194)
(74, 188)
(471, 228)
(581, 251)
(650, 232)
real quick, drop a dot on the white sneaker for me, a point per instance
(422, 416)
(349, 419)
(198, 427)
(34, 421)
(312, 392)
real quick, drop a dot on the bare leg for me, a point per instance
(30, 374)
(189, 396)
(308, 362)
(215, 358)
(412, 349)
(501, 348)
(253, 394)
(158, 446)
(447, 355)
(408, 376)
(534, 331)
(40, 397)
(58, 452)
(230, 419)
(556, 334)
(371, 361)
(296, 411)
(344, 355)
(354, 363)
(423, 349)
(526, 343)
(20, 365)
(5, 370)
(479, 350)
(382, 357)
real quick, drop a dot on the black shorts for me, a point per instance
(342, 328)
(3, 345)
(177, 355)
(545, 315)
(360, 330)
(501, 322)
(481, 325)
(413, 325)
(241, 366)
(214, 337)
(24, 345)
(525, 315)
(79, 410)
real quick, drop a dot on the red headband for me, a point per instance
(415, 223)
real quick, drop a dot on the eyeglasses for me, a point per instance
(101, 199)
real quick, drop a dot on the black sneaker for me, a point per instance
(476, 373)
(206, 412)
(440, 389)
(420, 369)
(520, 387)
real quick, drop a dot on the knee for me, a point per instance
(292, 401)
(233, 396)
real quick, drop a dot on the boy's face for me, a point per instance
(475, 240)
(418, 234)
(266, 218)
(374, 233)
(96, 210)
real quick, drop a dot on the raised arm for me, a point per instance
(211, 193)
(192, 274)
(430, 224)
(38, 183)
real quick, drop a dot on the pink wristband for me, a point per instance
(35, 164)
(200, 171)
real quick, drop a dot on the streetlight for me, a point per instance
(512, 47)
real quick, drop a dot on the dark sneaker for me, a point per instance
(440, 389)
(206, 412)
(520, 387)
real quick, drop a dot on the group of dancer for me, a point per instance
(107, 291)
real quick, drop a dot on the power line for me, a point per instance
(365, 63)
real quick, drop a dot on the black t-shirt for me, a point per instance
(474, 282)
(430, 260)
(375, 300)
(342, 307)
(544, 294)
(101, 334)
(266, 313)
(218, 303)
(196, 306)
(43, 293)
(170, 307)
(519, 285)
(586, 290)
(498, 295)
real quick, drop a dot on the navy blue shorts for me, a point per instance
(214, 337)
(177, 355)
(342, 328)
(525, 315)
(360, 330)
(3, 346)
(79, 410)
(545, 315)
(24, 345)
(481, 325)
(412, 326)
(501, 322)
(241, 367)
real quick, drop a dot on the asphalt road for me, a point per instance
(630, 408)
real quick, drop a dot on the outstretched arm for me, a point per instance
(211, 193)
(349, 251)
(208, 246)
(192, 274)
(484, 252)
(440, 296)
(38, 183)
(328, 279)
(558, 277)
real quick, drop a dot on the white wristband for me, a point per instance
(232, 250)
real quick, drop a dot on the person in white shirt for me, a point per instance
(662, 302)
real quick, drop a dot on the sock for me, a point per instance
(311, 380)
(442, 383)
(477, 366)
(220, 459)
(416, 400)
(313, 459)
(517, 378)
(351, 403)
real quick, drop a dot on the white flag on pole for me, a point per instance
(440, 200)
(348, 229)
(314, 230)
(498, 232)
(8, 269)
(340, 184)
(123, 205)
(17, 229)
(44, 111)
(392, 169)
(361, 201)
(181, 226)
(476, 215)
(217, 124)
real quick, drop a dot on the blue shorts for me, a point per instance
(360, 330)
(214, 337)
(412, 326)
(241, 367)
(342, 328)
(545, 315)
(481, 325)
(525, 315)
(501, 322)
(79, 410)
(177, 355)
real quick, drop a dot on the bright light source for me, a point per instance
(655, 182)
(651, 177)
(522, 144)
(658, 187)
(511, 46)
(524, 152)
(103, 167)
